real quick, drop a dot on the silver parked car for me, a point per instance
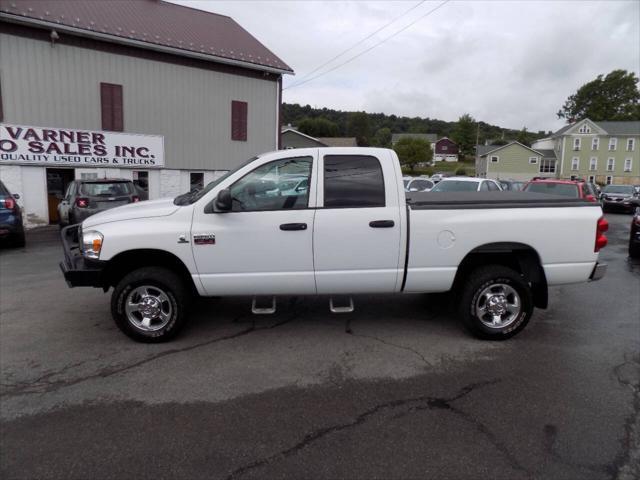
(83, 198)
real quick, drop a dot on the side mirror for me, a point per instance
(222, 203)
(16, 196)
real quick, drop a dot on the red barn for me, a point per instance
(445, 150)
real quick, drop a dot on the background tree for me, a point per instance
(464, 134)
(318, 127)
(412, 151)
(614, 97)
(382, 138)
(523, 137)
(358, 126)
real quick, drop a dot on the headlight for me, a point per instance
(91, 244)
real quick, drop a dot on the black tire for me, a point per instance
(634, 249)
(482, 279)
(19, 240)
(165, 281)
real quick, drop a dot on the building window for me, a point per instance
(575, 163)
(592, 179)
(627, 164)
(239, 121)
(533, 160)
(444, 148)
(89, 176)
(494, 159)
(593, 164)
(111, 106)
(576, 144)
(613, 144)
(609, 179)
(547, 166)
(196, 181)
(631, 143)
(595, 143)
(611, 164)
(584, 129)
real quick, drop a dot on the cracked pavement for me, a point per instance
(395, 390)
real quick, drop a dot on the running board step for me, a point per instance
(341, 305)
(263, 305)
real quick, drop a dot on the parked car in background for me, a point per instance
(634, 235)
(439, 176)
(511, 185)
(84, 198)
(467, 184)
(11, 227)
(567, 188)
(417, 184)
(619, 197)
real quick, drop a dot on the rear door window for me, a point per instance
(566, 189)
(106, 189)
(353, 181)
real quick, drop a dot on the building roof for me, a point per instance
(612, 128)
(339, 141)
(546, 153)
(153, 24)
(482, 150)
(429, 137)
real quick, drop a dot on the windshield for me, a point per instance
(455, 186)
(192, 197)
(566, 189)
(106, 189)
(628, 189)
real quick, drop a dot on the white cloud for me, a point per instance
(510, 63)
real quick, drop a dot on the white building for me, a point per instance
(159, 93)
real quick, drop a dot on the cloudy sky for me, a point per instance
(510, 63)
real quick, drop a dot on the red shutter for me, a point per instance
(111, 105)
(239, 120)
(118, 110)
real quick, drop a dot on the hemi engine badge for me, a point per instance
(204, 239)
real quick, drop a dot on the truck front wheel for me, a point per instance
(149, 304)
(496, 302)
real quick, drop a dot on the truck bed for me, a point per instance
(487, 200)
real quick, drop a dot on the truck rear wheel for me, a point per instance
(149, 304)
(496, 303)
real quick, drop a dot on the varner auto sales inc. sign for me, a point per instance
(21, 144)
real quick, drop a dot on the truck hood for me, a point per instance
(146, 209)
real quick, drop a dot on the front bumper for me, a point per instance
(77, 270)
(598, 272)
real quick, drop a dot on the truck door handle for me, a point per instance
(382, 224)
(287, 227)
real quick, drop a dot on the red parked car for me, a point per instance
(568, 188)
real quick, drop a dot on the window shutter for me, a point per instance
(239, 120)
(117, 107)
(112, 108)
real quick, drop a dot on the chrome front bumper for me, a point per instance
(598, 272)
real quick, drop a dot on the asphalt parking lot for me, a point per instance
(406, 394)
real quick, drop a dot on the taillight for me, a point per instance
(82, 202)
(135, 198)
(601, 227)
(9, 203)
(590, 198)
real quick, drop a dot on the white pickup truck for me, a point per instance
(335, 222)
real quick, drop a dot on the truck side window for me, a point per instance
(278, 185)
(353, 181)
(484, 187)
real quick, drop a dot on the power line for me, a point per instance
(350, 59)
(360, 42)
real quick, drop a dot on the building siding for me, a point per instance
(513, 163)
(59, 86)
(602, 154)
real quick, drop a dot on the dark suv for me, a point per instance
(619, 197)
(11, 228)
(83, 198)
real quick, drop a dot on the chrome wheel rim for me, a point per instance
(148, 308)
(498, 305)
